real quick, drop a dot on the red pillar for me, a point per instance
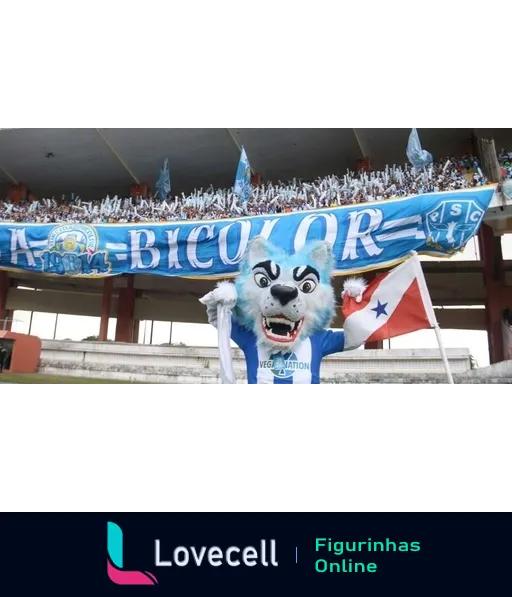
(369, 276)
(125, 310)
(363, 165)
(256, 179)
(139, 190)
(4, 285)
(498, 297)
(17, 193)
(105, 309)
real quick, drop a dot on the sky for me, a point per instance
(72, 327)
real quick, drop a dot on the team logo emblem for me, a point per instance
(72, 251)
(283, 366)
(452, 223)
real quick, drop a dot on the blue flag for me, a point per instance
(163, 185)
(242, 188)
(418, 157)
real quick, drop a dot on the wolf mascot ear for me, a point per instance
(259, 250)
(320, 254)
(316, 252)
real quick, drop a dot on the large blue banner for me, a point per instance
(364, 236)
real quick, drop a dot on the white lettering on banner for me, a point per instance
(361, 234)
(192, 246)
(414, 230)
(117, 250)
(456, 209)
(432, 493)
(331, 230)
(18, 239)
(268, 226)
(137, 250)
(245, 230)
(355, 233)
(172, 239)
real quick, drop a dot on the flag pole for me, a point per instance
(443, 353)
(427, 302)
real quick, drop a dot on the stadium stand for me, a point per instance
(297, 195)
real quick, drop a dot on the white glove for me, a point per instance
(224, 295)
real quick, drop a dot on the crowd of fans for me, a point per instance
(297, 195)
(505, 161)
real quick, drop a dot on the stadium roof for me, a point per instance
(94, 162)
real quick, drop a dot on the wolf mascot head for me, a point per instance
(285, 298)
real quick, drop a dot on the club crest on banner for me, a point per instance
(452, 223)
(72, 250)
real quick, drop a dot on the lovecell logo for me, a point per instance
(265, 554)
(115, 570)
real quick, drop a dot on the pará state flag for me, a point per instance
(242, 188)
(393, 304)
(417, 156)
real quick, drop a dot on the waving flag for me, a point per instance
(393, 304)
(242, 188)
(163, 185)
(418, 157)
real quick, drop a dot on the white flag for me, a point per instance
(223, 324)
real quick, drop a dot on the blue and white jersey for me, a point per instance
(300, 366)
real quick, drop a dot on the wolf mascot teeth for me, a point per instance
(281, 305)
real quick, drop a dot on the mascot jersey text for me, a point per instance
(281, 305)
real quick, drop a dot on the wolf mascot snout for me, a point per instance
(281, 305)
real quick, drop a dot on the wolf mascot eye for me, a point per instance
(281, 305)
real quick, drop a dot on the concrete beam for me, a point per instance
(181, 309)
(68, 303)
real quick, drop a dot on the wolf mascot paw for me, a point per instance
(354, 287)
(224, 295)
(281, 305)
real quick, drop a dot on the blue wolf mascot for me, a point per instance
(281, 306)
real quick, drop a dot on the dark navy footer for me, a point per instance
(256, 554)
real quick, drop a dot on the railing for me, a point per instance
(201, 364)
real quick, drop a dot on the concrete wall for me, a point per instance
(501, 370)
(159, 364)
